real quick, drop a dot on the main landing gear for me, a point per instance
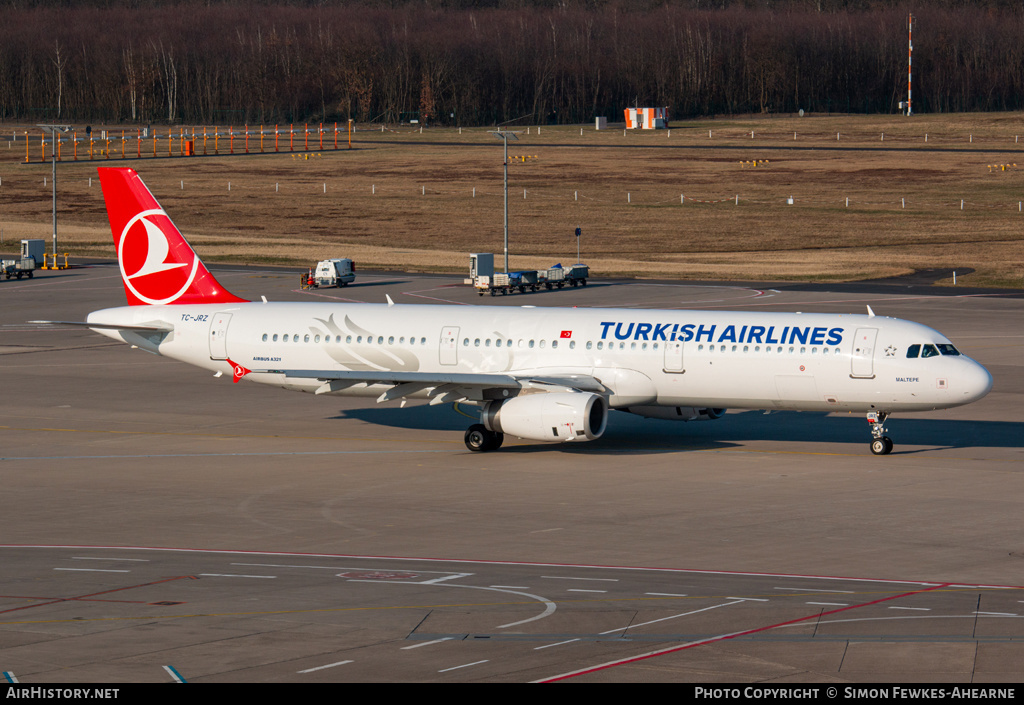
(479, 439)
(881, 444)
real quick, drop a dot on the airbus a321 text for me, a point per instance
(542, 374)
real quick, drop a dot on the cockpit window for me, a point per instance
(947, 349)
(929, 351)
(913, 351)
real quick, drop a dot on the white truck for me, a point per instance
(334, 272)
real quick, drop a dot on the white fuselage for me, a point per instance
(813, 362)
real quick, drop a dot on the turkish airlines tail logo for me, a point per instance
(158, 266)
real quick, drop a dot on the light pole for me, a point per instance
(54, 130)
(504, 136)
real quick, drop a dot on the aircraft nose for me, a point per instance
(976, 383)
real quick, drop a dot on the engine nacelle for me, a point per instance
(677, 413)
(549, 416)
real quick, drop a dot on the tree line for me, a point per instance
(473, 62)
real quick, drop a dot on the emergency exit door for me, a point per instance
(674, 356)
(449, 350)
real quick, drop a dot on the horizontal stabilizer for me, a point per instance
(157, 327)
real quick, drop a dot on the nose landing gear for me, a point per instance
(881, 444)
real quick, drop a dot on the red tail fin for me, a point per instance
(158, 266)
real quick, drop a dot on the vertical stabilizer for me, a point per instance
(158, 266)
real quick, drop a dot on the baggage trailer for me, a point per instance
(577, 275)
(18, 267)
(33, 253)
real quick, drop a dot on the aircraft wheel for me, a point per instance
(479, 439)
(881, 446)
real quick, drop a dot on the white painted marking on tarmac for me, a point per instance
(643, 624)
(996, 614)
(330, 665)
(510, 587)
(465, 665)
(428, 643)
(563, 577)
(435, 581)
(830, 604)
(90, 558)
(844, 592)
(548, 646)
(664, 594)
(580, 590)
(231, 575)
(93, 570)
(916, 609)
(748, 599)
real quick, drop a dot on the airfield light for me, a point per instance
(53, 130)
(504, 135)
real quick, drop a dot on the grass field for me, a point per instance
(404, 199)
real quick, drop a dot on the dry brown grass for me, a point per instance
(584, 181)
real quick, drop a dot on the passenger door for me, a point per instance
(862, 360)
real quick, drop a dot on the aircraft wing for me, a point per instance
(456, 386)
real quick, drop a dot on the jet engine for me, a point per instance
(677, 413)
(549, 416)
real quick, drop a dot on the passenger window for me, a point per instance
(275, 337)
(913, 351)
(380, 340)
(590, 345)
(391, 340)
(285, 337)
(543, 343)
(929, 351)
(554, 344)
(348, 338)
(476, 343)
(316, 339)
(600, 345)
(572, 344)
(465, 343)
(306, 338)
(264, 337)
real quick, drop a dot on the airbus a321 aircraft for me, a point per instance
(542, 374)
